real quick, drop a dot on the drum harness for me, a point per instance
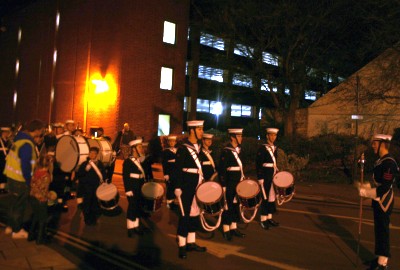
(203, 221)
(210, 161)
(240, 167)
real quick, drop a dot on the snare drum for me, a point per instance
(152, 196)
(105, 150)
(107, 195)
(284, 186)
(71, 151)
(248, 192)
(210, 197)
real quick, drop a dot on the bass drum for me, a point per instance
(153, 194)
(284, 186)
(105, 150)
(107, 195)
(71, 151)
(210, 197)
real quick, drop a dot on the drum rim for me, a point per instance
(154, 184)
(209, 203)
(75, 141)
(286, 173)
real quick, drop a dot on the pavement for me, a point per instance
(21, 254)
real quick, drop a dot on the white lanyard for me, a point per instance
(137, 163)
(2, 146)
(209, 157)
(96, 169)
(271, 153)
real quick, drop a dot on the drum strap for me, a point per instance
(137, 163)
(207, 153)
(270, 150)
(239, 162)
(3, 147)
(197, 161)
(96, 169)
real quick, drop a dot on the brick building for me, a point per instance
(97, 62)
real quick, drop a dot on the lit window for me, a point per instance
(212, 41)
(287, 91)
(310, 95)
(169, 32)
(203, 105)
(241, 110)
(242, 80)
(265, 87)
(164, 125)
(166, 78)
(186, 104)
(210, 73)
(270, 59)
(243, 51)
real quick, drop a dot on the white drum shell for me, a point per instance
(71, 151)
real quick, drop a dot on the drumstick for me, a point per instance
(181, 206)
(263, 191)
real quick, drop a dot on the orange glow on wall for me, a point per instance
(102, 94)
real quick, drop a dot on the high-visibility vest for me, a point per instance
(13, 167)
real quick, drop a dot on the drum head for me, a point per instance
(105, 149)
(152, 190)
(248, 188)
(283, 179)
(69, 150)
(106, 192)
(209, 192)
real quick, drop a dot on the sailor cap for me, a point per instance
(5, 129)
(235, 130)
(382, 137)
(207, 136)
(195, 123)
(272, 130)
(70, 121)
(135, 142)
(171, 137)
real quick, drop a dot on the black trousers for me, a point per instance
(20, 200)
(39, 211)
(90, 205)
(233, 213)
(381, 228)
(187, 224)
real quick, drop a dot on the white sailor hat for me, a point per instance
(272, 130)
(235, 130)
(5, 129)
(195, 123)
(382, 137)
(58, 125)
(207, 136)
(70, 121)
(135, 142)
(171, 137)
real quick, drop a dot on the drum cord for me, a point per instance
(205, 225)
(245, 220)
(280, 199)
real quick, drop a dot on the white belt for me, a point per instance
(136, 175)
(233, 169)
(207, 163)
(171, 160)
(268, 165)
(190, 170)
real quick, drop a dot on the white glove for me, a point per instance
(261, 182)
(129, 194)
(368, 192)
(166, 177)
(88, 167)
(178, 192)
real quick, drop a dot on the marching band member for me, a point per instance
(188, 176)
(110, 168)
(133, 176)
(69, 127)
(230, 174)
(169, 168)
(5, 145)
(90, 174)
(382, 195)
(206, 157)
(266, 169)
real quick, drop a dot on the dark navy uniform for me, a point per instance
(207, 163)
(169, 169)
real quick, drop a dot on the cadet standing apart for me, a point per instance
(169, 169)
(384, 175)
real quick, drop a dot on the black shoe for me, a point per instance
(273, 223)
(195, 247)
(264, 225)
(227, 235)
(182, 252)
(237, 233)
